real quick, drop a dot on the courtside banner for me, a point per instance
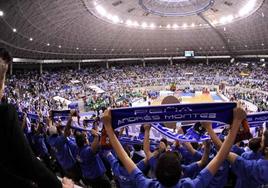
(216, 112)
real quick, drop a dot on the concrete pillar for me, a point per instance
(79, 66)
(170, 61)
(107, 65)
(143, 63)
(11, 69)
(41, 68)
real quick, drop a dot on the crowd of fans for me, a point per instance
(96, 158)
(34, 92)
(87, 158)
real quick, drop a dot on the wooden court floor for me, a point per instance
(198, 98)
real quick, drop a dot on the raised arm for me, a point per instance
(123, 156)
(238, 117)
(204, 160)
(67, 130)
(187, 145)
(95, 143)
(24, 121)
(218, 143)
(146, 141)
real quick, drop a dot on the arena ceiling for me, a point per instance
(77, 29)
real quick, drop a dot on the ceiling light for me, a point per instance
(95, 49)
(148, 49)
(223, 20)
(214, 22)
(230, 18)
(247, 8)
(144, 24)
(101, 10)
(14, 30)
(129, 22)
(246, 46)
(59, 46)
(165, 49)
(48, 44)
(1, 13)
(109, 16)
(130, 50)
(112, 49)
(184, 25)
(168, 25)
(115, 19)
(262, 44)
(31, 39)
(175, 26)
(152, 25)
(135, 23)
(77, 48)
(193, 25)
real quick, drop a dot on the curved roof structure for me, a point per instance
(133, 28)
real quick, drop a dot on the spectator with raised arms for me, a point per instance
(169, 175)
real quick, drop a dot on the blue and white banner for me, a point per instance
(60, 114)
(190, 136)
(259, 117)
(215, 112)
(33, 118)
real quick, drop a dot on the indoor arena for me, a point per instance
(134, 93)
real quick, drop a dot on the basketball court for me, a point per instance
(197, 97)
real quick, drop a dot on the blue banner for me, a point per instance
(259, 117)
(33, 118)
(135, 141)
(190, 136)
(60, 114)
(215, 112)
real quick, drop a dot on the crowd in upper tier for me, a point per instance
(34, 92)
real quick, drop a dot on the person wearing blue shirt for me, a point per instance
(238, 150)
(220, 179)
(187, 151)
(138, 154)
(254, 153)
(168, 169)
(250, 173)
(189, 170)
(121, 173)
(40, 144)
(63, 150)
(93, 169)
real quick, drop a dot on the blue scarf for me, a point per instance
(215, 112)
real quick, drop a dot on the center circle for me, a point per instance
(181, 8)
